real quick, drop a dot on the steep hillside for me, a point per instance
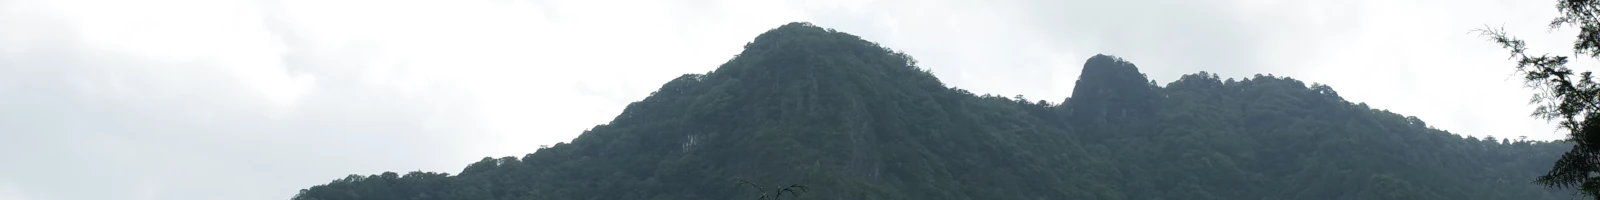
(854, 120)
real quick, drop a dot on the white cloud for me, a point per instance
(167, 99)
(10, 191)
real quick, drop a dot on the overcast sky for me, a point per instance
(217, 99)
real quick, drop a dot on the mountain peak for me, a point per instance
(853, 120)
(1111, 89)
(801, 52)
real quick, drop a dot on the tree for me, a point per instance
(1565, 95)
(776, 192)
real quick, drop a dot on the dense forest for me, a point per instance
(851, 119)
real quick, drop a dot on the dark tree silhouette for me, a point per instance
(776, 193)
(1565, 95)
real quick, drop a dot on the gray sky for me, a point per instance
(206, 99)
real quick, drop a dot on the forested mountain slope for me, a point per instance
(854, 120)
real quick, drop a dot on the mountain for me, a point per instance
(851, 119)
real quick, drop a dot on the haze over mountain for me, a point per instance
(854, 120)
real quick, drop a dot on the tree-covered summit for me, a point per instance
(1111, 89)
(851, 119)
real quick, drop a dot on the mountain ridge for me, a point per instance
(856, 120)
